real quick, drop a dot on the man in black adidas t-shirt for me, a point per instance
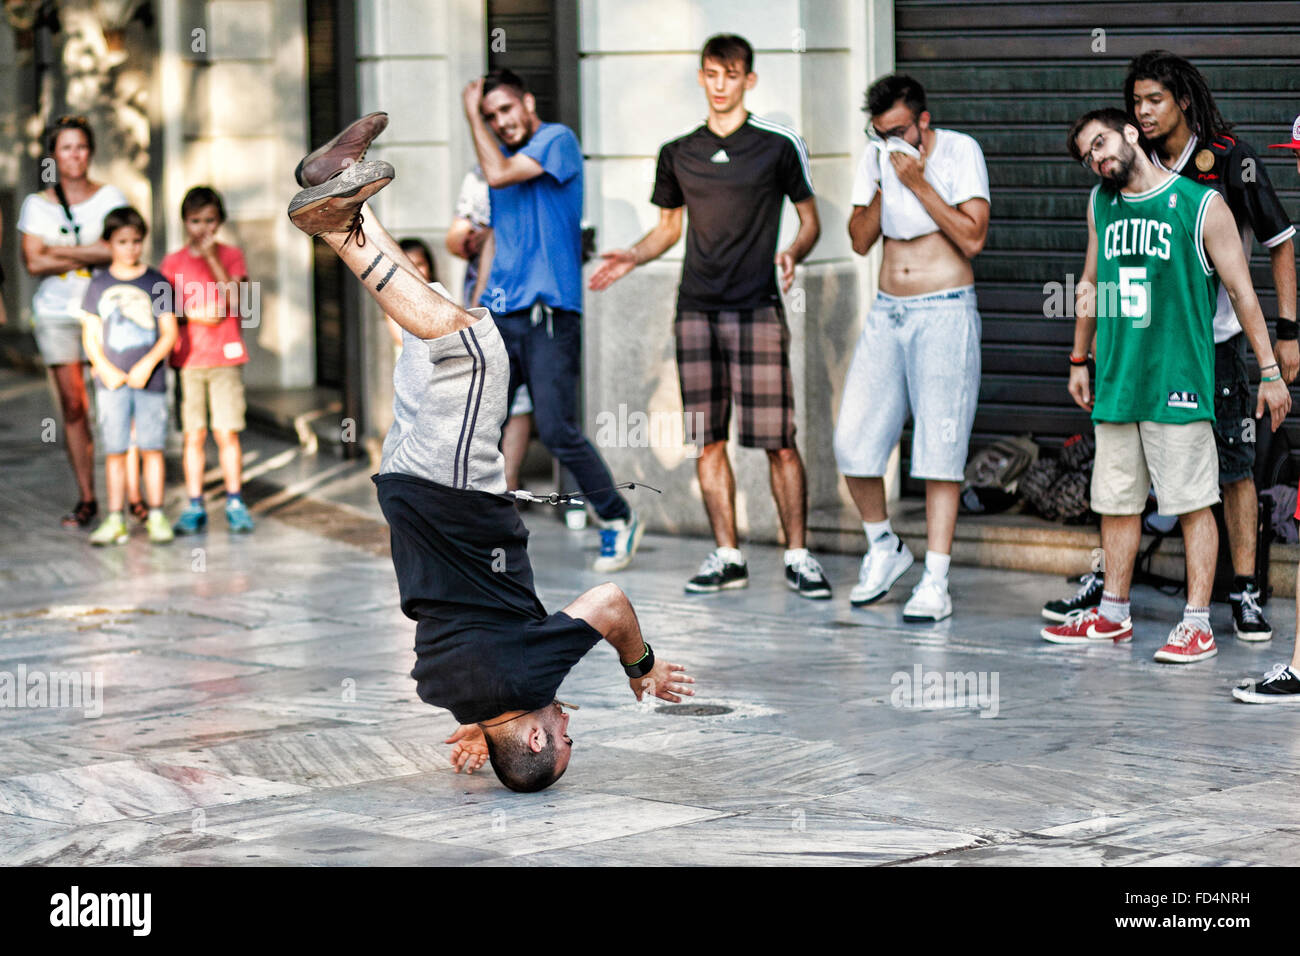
(732, 175)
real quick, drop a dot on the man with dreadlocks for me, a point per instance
(1182, 131)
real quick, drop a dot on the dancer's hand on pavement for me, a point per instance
(470, 751)
(1277, 398)
(618, 263)
(665, 681)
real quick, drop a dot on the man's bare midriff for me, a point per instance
(929, 263)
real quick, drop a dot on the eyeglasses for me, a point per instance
(879, 137)
(70, 120)
(1086, 161)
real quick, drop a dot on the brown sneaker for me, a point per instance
(345, 149)
(335, 206)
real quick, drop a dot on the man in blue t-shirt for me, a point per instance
(534, 171)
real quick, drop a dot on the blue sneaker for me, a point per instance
(618, 542)
(193, 520)
(237, 517)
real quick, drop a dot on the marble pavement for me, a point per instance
(257, 710)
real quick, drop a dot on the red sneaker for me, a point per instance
(1187, 644)
(1087, 626)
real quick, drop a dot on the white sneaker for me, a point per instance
(881, 567)
(929, 601)
(618, 542)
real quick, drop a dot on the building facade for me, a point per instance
(233, 92)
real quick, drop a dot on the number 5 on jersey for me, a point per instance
(1134, 295)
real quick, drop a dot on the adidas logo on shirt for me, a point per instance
(720, 157)
(1183, 400)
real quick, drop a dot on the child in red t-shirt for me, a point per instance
(206, 277)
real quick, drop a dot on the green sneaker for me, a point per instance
(112, 530)
(160, 532)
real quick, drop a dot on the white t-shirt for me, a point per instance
(955, 169)
(60, 296)
(474, 202)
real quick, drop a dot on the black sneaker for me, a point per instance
(1088, 595)
(82, 515)
(1281, 685)
(715, 574)
(806, 576)
(1250, 620)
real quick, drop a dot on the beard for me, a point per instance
(1122, 169)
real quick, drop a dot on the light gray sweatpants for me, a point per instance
(449, 403)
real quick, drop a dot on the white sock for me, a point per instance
(936, 565)
(731, 555)
(792, 556)
(879, 532)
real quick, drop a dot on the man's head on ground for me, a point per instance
(727, 72)
(124, 231)
(530, 751)
(896, 107)
(202, 212)
(1105, 141)
(1164, 92)
(418, 252)
(508, 108)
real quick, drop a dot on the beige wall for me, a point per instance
(232, 113)
(639, 89)
(413, 59)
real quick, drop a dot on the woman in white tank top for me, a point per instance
(61, 243)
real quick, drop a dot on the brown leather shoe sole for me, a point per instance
(333, 206)
(346, 149)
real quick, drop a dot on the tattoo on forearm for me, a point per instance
(374, 263)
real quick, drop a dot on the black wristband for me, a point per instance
(1288, 330)
(639, 668)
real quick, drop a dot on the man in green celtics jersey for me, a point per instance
(1158, 247)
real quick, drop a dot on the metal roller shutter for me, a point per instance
(1014, 75)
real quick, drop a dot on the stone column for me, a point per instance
(413, 59)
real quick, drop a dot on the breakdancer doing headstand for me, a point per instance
(485, 647)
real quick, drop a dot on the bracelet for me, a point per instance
(1077, 362)
(1288, 330)
(642, 665)
(1271, 378)
(1274, 365)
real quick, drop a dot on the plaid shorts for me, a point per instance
(741, 356)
